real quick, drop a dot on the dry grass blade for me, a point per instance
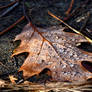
(76, 31)
(49, 87)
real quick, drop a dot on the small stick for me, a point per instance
(9, 9)
(10, 27)
(69, 9)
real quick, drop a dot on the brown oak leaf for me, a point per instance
(54, 49)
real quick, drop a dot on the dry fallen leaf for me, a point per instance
(54, 49)
(12, 78)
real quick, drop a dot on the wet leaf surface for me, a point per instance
(53, 49)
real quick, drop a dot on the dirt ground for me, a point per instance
(37, 10)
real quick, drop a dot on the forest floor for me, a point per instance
(37, 10)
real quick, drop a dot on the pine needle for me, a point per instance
(13, 25)
(76, 31)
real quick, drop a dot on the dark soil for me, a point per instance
(37, 10)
